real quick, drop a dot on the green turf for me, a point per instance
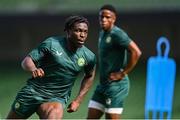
(11, 80)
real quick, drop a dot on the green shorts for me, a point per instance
(110, 96)
(28, 100)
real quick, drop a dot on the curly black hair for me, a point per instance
(109, 7)
(70, 21)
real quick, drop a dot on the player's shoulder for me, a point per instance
(117, 30)
(87, 51)
(54, 39)
(53, 42)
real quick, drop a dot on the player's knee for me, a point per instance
(55, 113)
(50, 111)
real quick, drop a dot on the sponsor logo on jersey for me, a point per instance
(108, 39)
(17, 105)
(108, 101)
(58, 53)
(81, 62)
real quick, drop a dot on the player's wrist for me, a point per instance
(123, 73)
(33, 69)
(78, 100)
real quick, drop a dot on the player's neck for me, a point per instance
(108, 30)
(71, 47)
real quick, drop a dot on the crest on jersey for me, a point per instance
(17, 105)
(108, 39)
(81, 62)
(108, 101)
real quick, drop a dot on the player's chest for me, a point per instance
(106, 43)
(68, 60)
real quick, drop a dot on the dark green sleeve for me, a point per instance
(38, 53)
(121, 39)
(91, 65)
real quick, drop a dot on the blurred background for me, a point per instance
(25, 23)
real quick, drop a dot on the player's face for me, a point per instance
(106, 19)
(78, 34)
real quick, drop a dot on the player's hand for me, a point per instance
(38, 73)
(117, 76)
(73, 106)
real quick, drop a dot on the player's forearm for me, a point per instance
(131, 64)
(28, 64)
(85, 86)
(135, 54)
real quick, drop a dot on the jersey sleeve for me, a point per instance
(38, 53)
(121, 39)
(91, 65)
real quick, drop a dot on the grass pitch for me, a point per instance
(13, 78)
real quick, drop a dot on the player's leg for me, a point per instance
(113, 116)
(96, 104)
(13, 115)
(95, 110)
(21, 110)
(113, 113)
(50, 110)
(24, 105)
(114, 107)
(115, 96)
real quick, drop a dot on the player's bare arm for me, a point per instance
(85, 86)
(28, 65)
(135, 54)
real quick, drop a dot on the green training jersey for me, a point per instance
(112, 52)
(60, 65)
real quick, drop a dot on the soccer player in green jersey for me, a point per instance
(114, 65)
(55, 65)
